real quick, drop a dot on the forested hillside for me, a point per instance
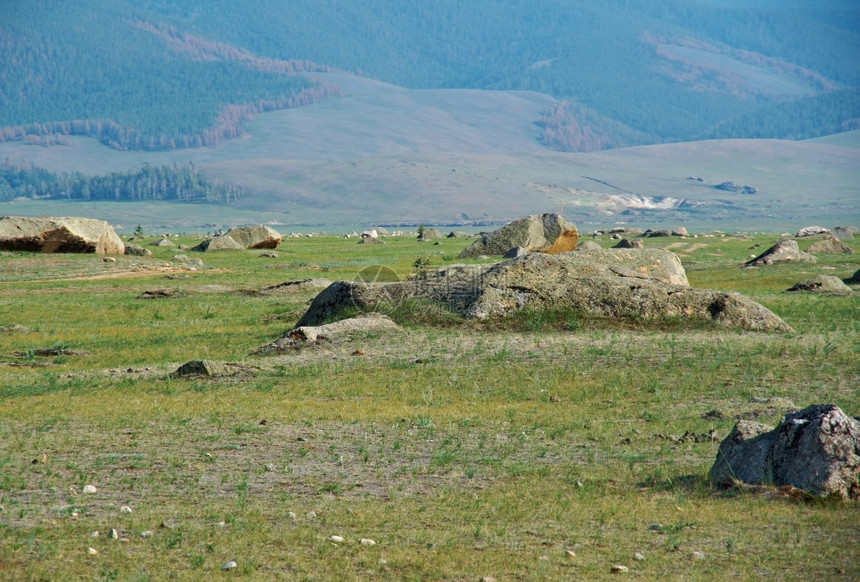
(161, 74)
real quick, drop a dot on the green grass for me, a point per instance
(462, 450)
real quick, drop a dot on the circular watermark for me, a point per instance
(373, 295)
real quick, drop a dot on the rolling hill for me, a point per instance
(350, 113)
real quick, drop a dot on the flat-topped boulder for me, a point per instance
(537, 232)
(59, 235)
(629, 284)
(256, 236)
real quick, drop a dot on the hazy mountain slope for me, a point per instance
(386, 154)
(159, 74)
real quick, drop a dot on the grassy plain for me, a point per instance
(542, 448)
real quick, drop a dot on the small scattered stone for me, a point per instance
(125, 509)
(90, 489)
(488, 579)
(571, 554)
(228, 565)
(291, 514)
(336, 539)
(312, 515)
(92, 551)
(95, 534)
(698, 556)
(113, 534)
(382, 561)
(109, 260)
(638, 557)
(658, 527)
(619, 569)
(270, 467)
(146, 534)
(367, 542)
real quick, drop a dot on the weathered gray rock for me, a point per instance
(458, 234)
(163, 242)
(371, 240)
(785, 251)
(629, 243)
(537, 232)
(641, 284)
(811, 231)
(816, 449)
(680, 231)
(730, 186)
(516, 252)
(827, 284)
(59, 235)
(429, 234)
(137, 251)
(656, 233)
(200, 368)
(308, 334)
(830, 245)
(256, 236)
(218, 243)
(844, 232)
(588, 245)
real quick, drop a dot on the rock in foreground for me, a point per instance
(816, 449)
(59, 235)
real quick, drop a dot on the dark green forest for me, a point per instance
(180, 183)
(161, 74)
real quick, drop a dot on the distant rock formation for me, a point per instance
(830, 245)
(535, 232)
(732, 187)
(785, 251)
(218, 243)
(826, 284)
(59, 235)
(256, 236)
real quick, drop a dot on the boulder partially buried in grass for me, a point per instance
(257, 236)
(648, 285)
(816, 449)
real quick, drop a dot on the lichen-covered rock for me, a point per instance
(534, 232)
(633, 284)
(59, 235)
(256, 236)
(816, 449)
(137, 251)
(785, 251)
(827, 284)
(830, 245)
(301, 335)
(218, 243)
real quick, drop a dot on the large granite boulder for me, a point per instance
(257, 236)
(816, 449)
(538, 232)
(59, 235)
(785, 251)
(632, 284)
